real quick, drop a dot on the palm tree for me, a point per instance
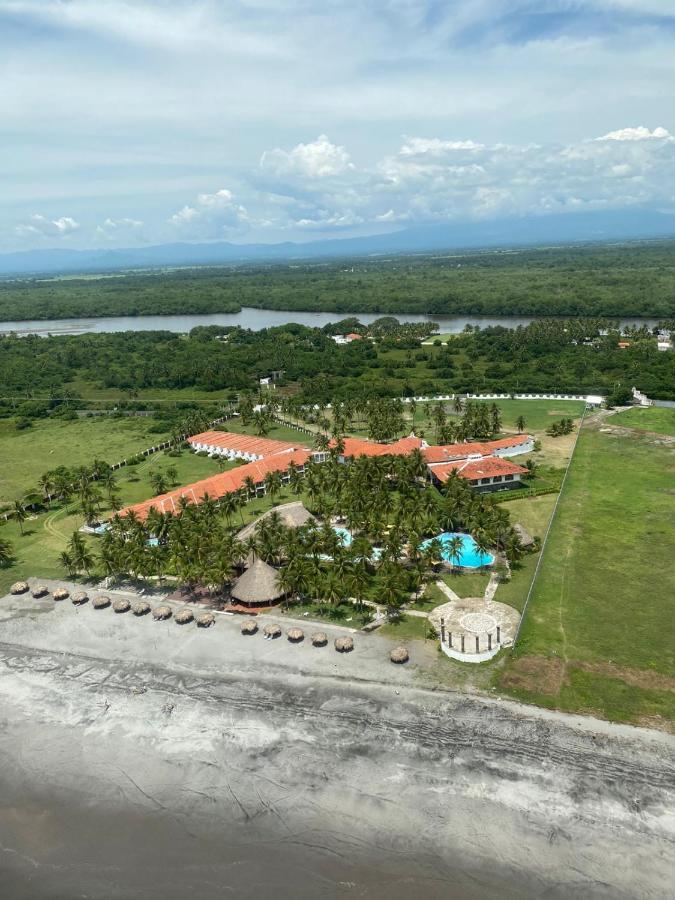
(158, 482)
(454, 548)
(6, 553)
(67, 562)
(172, 475)
(521, 424)
(20, 514)
(273, 484)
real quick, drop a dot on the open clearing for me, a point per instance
(596, 637)
(649, 418)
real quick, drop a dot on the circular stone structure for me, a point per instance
(478, 623)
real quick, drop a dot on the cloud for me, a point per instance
(435, 146)
(318, 159)
(212, 212)
(41, 225)
(637, 134)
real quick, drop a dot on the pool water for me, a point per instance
(470, 556)
(344, 534)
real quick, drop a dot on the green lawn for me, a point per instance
(408, 628)
(50, 443)
(470, 584)
(596, 635)
(277, 432)
(648, 418)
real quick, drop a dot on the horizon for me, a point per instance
(146, 124)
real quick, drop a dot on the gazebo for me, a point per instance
(258, 585)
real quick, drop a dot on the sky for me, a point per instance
(134, 122)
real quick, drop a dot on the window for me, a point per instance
(485, 481)
(508, 478)
(497, 478)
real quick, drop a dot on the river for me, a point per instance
(255, 319)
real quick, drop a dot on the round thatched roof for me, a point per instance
(272, 631)
(250, 626)
(140, 608)
(259, 584)
(205, 620)
(121, 605)
(344, 644)
(399, 655)
(19, 587)
(183, 616)
(101, 602)
(295, 635)
(319, 638)
(60, 594)
(161, 612)
(41, 590)
(77, 599)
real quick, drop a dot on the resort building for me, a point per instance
(230, 445)
(487, 473)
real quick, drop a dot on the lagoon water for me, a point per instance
(255, 319)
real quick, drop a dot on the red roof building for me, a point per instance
(484, 473)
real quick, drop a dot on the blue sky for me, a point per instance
(127, 122)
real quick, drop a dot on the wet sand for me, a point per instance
(143, 760)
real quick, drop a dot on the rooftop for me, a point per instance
(486, 467)
(242, 443)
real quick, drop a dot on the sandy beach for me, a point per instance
(142, 759)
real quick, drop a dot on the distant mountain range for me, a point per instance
(531, 231)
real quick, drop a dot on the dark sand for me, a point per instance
(145, 760)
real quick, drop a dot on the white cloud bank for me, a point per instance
(45, 227)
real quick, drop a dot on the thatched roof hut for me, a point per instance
(292, 515)
(41, 590)
(319, 638)
(19, 587)
(121, 605)
(526, 540)
(140, 608)
(295, 635)
(258, 585)
(183, 616)
(399, 655)
(60, 594)
(161, 612)
(77, 599)
(101, 602)
(250, 626)
(271, 631)
(205, 620)
(344, 644)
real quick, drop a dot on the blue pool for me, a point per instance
(470, 557)
(344, 534)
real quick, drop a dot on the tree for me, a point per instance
(454, 549)
(172, 475)
(6, 553)
(158, 482)
(20, 514)
(521, 424)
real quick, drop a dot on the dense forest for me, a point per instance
(48, 376)
(627, 280)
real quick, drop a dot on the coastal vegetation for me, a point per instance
(636, 279)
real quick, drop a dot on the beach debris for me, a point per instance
(399, 655)
(138, 689)
(101, 602)
(41, 590)
(140, 608)
(295, 635)
(205, 620)
(271, 631)
(344, 644)
(250, 626)
(77, 599)
(60, 594)
(183, 616)
(161, 612)
(168, 708)
(19, 587)
(319, 638)
(121, 605)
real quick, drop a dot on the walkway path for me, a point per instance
(444, 589)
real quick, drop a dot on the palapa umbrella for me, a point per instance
(40, 591)
(271, 631)
(295, 635)
(319, 638)
(60, 594)
(140, 608)
(344, 644)
(183, 616)
(19, 587)
(399, 655)
(101, 602)
(122, 605)
(161, 612)
(205, 620)
(250, 626)
(77, 599)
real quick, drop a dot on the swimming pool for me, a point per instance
(344, 534)
(470, 557)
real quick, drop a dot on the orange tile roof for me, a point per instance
(448, 452)
(486, 467)
(218, 485)
(242, 443)
(354, 336)
(364, 447)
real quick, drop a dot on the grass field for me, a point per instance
(277, 432)
(596, 635)
(648, 418)
(408, 628)
(50, 443)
